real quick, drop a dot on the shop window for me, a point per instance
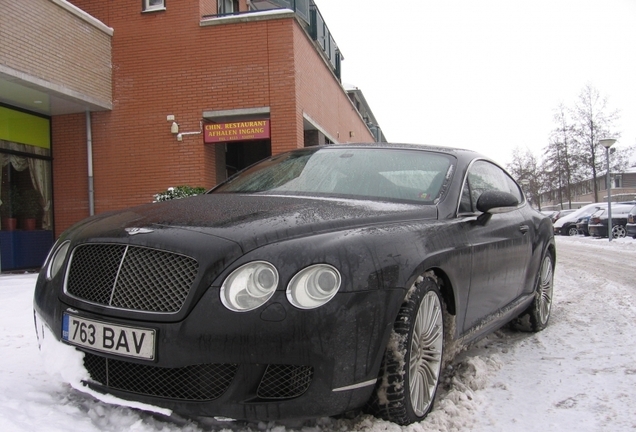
(26, 224)
(153, 5)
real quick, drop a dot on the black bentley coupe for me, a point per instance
(317, 282)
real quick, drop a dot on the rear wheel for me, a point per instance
(411, 368)
(618, 231)
(536, 317)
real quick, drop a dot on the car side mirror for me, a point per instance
(495, 202)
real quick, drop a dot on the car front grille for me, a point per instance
(196, 382)
(131, 277)
(285, 381)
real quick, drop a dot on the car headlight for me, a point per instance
(249, 286)
(57, 260)
(313, 286)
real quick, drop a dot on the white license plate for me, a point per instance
(105, 337)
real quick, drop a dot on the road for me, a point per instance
(587, 255)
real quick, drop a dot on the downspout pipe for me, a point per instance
(89, 148)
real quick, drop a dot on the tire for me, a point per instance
(411, 368)
(572, 231)
(618, 231)
(536, 317)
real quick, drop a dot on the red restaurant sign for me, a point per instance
(237, 131)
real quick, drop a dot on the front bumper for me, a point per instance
(272, 363)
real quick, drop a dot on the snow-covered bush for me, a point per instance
(178, 193)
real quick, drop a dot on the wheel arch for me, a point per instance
(446, 289)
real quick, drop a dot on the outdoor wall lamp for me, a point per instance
(174, 128)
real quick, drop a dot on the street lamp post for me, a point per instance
(607, 143)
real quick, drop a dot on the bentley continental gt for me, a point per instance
(317, 282)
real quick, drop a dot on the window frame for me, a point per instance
(222, 6)
(146, 6)
(467, 186)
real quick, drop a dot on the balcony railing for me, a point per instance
(300, 7)
(320, 33)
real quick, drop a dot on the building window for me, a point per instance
(153, 5)
(227, 6)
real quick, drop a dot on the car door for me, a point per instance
(500, 244)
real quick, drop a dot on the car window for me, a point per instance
(483, 176)
(373, 173)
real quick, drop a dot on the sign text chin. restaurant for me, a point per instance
(236, 131)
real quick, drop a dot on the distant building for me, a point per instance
(103, 104)
(359, 101)
(623, 189)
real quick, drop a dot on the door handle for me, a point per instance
(524, 228)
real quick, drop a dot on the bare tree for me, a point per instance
(592, 122)
(526, 170)
(620, 158)
(560, 168)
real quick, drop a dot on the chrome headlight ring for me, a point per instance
(249, 286)
(313, 286)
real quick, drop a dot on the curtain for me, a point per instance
(39, 169)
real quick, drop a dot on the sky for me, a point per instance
(486, 75)
(578, 374)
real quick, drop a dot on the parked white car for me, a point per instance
(567, 224)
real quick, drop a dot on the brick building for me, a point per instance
(103, 104)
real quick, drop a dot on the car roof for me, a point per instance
(425, 147)
(619, 207)
(461, 154)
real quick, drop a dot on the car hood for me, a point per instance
(250, 221)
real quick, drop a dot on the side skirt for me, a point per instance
(497, 319)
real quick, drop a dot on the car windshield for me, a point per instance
(363, 173)
(586, 211)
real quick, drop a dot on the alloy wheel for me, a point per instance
(618, 231)
(545, 289)
(426, 353)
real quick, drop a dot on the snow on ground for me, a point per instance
(578, 374)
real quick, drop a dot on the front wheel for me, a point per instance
(536, 317)
(572, 231)
(411, 368)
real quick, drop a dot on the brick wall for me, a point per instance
(167, 63)
(321, 96)
(41, 39)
